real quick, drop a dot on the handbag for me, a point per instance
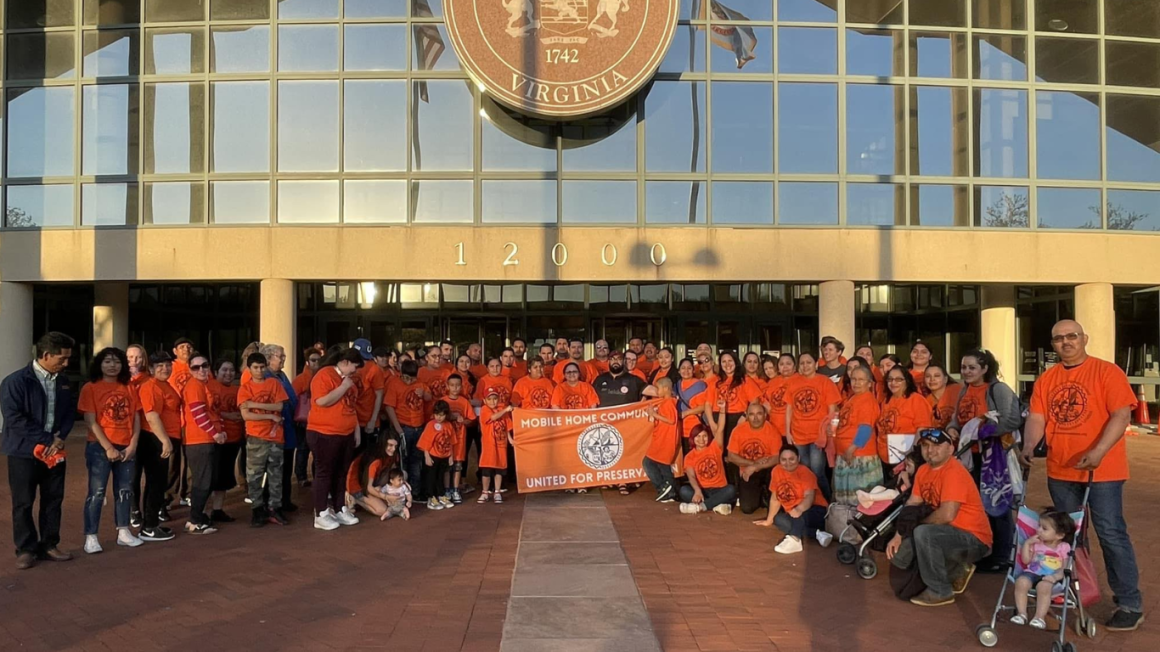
(1085, 574)
(302, 412)
(837, 518)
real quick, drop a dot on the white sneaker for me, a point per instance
(345, 517)
(92, 546)
(434, 504)
(788, 546)
(125, 537)
(326, 521)
(723, 509)
(446, 502)
(824, 538)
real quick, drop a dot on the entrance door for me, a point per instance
(619, 329)
(490, 332)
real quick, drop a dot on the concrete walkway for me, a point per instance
(572, 589)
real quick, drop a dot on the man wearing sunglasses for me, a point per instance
(947, 543)
(1083, 406)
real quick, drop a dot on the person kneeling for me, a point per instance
(947, 543)
(798, 508)
(705, 469)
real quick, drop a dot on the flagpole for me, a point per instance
(694, 187)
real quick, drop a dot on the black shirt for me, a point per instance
(620, 390)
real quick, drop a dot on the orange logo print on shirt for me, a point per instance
(787, 494)
(437, 387)
(1068, 403)
(499, 431)
(708, 469)
(414, 399)
(806, 401)
(888, 420)
(574, 402)
(754, 449)
(116, 408)
(441, 445)
(777, 399)
(844, 416)
(539, 398)
(943, 414)
(930, 495)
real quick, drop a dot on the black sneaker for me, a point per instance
(135, 518)
(1124, 621)
(158, 533)
(277, 517)
(163, 515)
(259, 517)
(219, 516)
(664, 493)
(290, 507)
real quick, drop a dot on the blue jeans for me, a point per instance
(804, 526)
(413, 465)
(658, 474)
(99, 469)
(713, 497)
(1107, 508)
(814, 457)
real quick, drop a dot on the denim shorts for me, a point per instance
(1036, 578)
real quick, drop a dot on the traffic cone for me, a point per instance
(1142, 416)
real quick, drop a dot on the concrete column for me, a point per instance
(1095, 310)
(998, 326)
(836, 313)
(278, 320)
(16, 325)
(110, 315)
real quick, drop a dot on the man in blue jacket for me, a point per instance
(39, 409)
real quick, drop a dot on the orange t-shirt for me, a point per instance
(582, 396)
(435, 380)
(902, 416)
(942, 409)
(790, 488)
(529, 393)
(196, 392)
(135, 384)
(114, 407)
(811, 399)
(407, 402)
(756, 384)
(180, 375)
(689, 421)
(754, 444)
(588, 373)
(226, 398)
(367, 380)
(478, 370)
(973, 403)
(462, 407)
(301, 382)
(639, 374)
(519, 369)
(1077, 403)
(859, 409)
(597, 367)
(353, 486)
(664, 445)
(338, 419)
(737, 399)
(438, 439)
(503, 385)
(161, 398)
(952, 482)
(919, 380)
(246, 376)
(493, 442)
(269, 391)
(644, 364)
(707, 465)
(775, 396)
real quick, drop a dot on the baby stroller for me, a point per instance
(1069, 594)
(874, 524)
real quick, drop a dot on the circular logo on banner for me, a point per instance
(561, 58)
(600, 446)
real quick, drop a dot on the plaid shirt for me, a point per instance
(48, 382)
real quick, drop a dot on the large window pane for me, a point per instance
(674, 122)
(179, 202)
(687, 53)
(1067, 16)
(174, 128)
(39, 206)
(599, 202)
(1000, 133)
(240, 202)
(1068, 208)
(806, 11)
(742, 127)
(40, 132)
(40, 56)
(1133, 210)
(1132, 18)
(307, 48)
(108, 204)
(374, 201)
(1133, 64)
(173, 11)
(111, 12)
(875, 13)
(807, 128)
(174, 51)
(443, 127)
(605, 142)
(374, 47)
(374, 8)
(870, 129)
(36, 14)
(753, 52)
(939, 139)
(111, 53)
(1067, 60)
(999, 56)
(675, 202)
(936, 205)
(512, 141)
(1068, 135)
(874, 52)
(110, 131)
(298, 9)
(807, 50)
(1133, 138)
(430, 47)
(308, 126)
(519, 202)
(1000, 14)
(1005, 207)
(239, 10)
(875, 204)
(938, 54)
(240, 49)
(442, 202)
(374, 126)
(941, 13)
(806, 203)
(308, 202)
(742, 202)
(241, 127)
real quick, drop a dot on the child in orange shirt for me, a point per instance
(462, 416)
(495, 424)
(260, 401)
(665, 444)
(437, 443)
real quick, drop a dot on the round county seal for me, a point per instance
(600, 446)
(561, 58)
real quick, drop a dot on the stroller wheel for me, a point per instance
(987, 635)
(847, 553)
(867, 568)
(1069, 647)
(1092, 629)
(1056, 646)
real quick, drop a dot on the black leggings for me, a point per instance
(433, 477)
(156, 471)
(732, 473)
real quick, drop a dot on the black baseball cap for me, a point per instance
(183, 340)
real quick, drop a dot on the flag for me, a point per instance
(429, 46)
(740, 39)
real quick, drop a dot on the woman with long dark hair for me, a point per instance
(729, 388)
(920, 358)
(776, 396)
(665, 368)
(944, 391)
(904, 412)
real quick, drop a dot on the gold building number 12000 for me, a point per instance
(609, 254)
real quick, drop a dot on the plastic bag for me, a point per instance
(995, 479)
(1085, 572)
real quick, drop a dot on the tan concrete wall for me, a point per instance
(110, 315)
(277, 319)
(836, 306)
(689, 254)
(1095, 310)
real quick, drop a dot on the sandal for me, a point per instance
(1018, 619)
(483, 496)
(623, 489)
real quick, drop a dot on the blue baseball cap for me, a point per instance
(363, 346)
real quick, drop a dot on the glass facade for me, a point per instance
(874, 113)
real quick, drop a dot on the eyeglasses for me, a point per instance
(1069, 337)
(896, 379)
(601, 348)
(571, 371)
(198, 367)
